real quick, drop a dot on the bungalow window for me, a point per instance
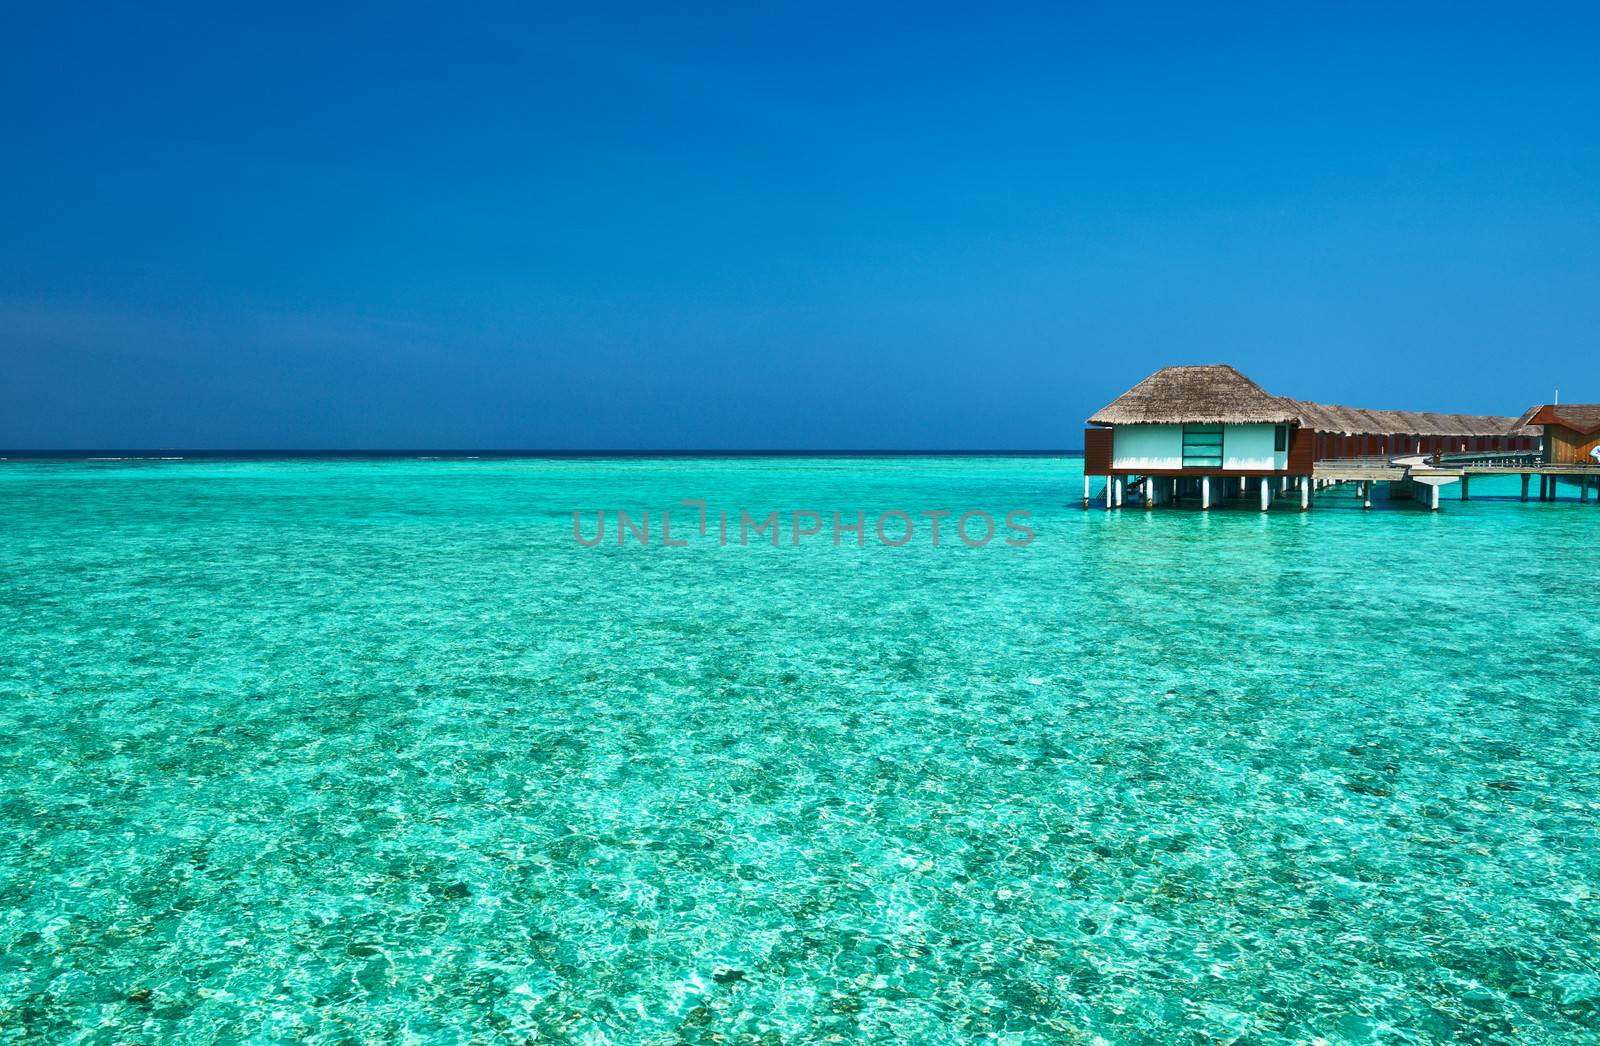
(1202, 446)
(1280, 439)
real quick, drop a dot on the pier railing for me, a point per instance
(1368, 461)
(1487, 459)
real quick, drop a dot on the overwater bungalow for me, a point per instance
(1195, 425)
(1211, 432)
(1349, 432)
(1571, 431)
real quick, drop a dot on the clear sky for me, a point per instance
(779, 226)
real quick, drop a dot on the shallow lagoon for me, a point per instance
(375, 751)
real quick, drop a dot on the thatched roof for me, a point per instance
(1218, 394)
(1583, 418)
(1213, 394)
(1352, 421)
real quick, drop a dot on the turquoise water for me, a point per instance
(376, 752)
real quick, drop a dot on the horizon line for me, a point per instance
(433, 452)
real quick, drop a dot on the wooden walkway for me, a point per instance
(1415, 470)
(1409, 476)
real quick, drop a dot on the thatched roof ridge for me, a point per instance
(1211, 394)
(1350, 421)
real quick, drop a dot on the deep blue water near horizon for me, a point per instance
(453, 454)
(374, 751)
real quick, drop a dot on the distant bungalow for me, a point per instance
(1182, 428)
(1571, 431)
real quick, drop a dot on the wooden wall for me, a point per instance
(1564, 446)
(1302, 450)
(1337, 445)
(1097, 452)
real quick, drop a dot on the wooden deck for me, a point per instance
(1415, 477)
(1361, 469)
(1524, 470)
(1420, 479)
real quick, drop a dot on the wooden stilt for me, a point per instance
(1464, 479)
(1524, 486)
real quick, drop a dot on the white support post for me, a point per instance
(1119, 491)
(1433, 497)
(1266, 494)
(1111, 492)
(1085, 490)
(1149, 492)
(1305, 493)
(1205, 491)
(1366, 494)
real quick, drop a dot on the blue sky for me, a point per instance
(765, 226)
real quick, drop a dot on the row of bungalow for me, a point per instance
(1204, 423)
